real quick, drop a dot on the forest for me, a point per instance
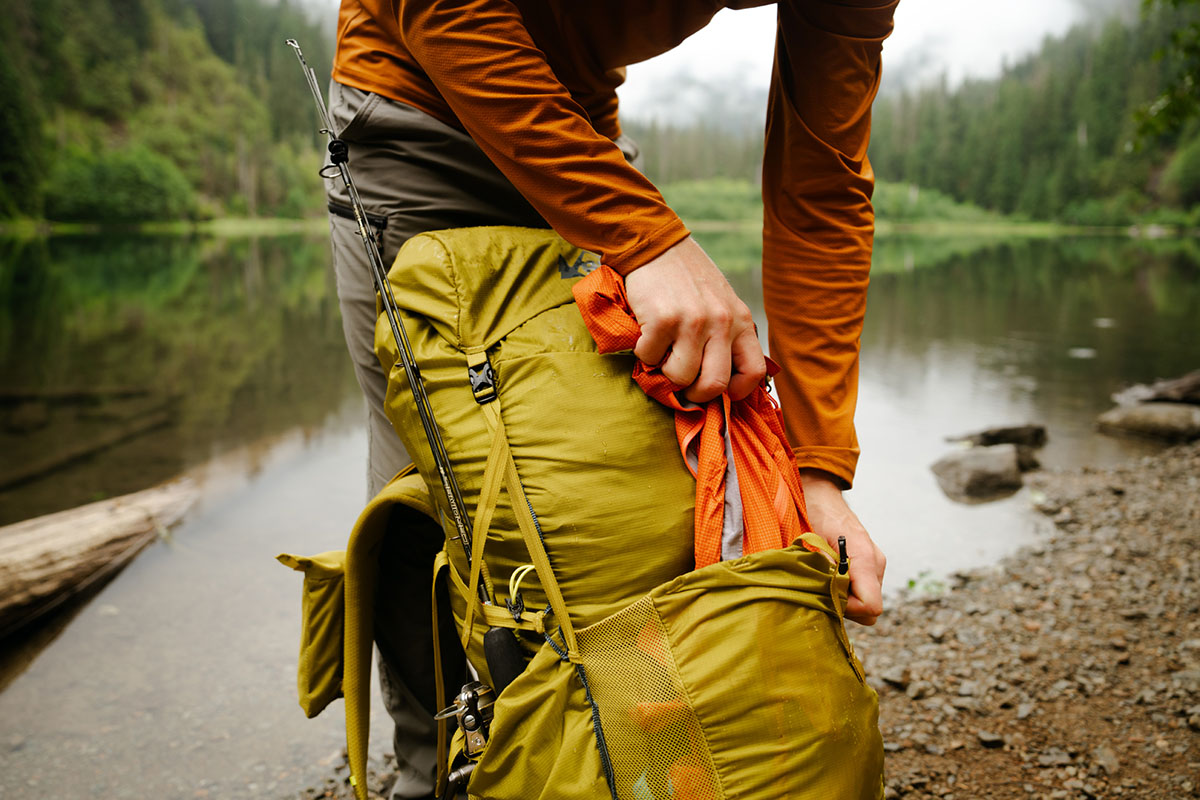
(133, 110)
(1070, 133)
(137, 110)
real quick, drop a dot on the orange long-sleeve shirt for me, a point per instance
(534, 84)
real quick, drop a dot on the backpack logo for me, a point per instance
(584, 263)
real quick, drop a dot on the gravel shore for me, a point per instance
(1070, 670)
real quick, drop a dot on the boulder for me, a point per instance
(979, 473)
(1027, 459)
(1177, 422)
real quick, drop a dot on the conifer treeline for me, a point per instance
(1056, 136)
(143, 109)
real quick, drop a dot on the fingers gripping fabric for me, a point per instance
(769, 484)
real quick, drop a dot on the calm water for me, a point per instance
(177, 680)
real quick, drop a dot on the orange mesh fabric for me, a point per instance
(769, 484)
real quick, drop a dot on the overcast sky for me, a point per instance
(963, 38)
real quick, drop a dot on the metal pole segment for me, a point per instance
(450, 487)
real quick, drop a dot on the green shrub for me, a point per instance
(1181, 178)
(905, 202)
(129, 185)
(1125, 208)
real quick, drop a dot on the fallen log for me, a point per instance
(47, 560)
(1185, 389)
(1020, 435)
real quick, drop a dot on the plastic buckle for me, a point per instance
(482, 378)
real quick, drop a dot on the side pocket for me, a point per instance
(377, 221)
(323, 619)
(839, 588)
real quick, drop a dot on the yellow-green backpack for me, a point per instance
(648, 679)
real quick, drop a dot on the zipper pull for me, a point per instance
(843, 562)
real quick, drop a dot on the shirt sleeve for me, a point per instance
(818, 220)
(498, 83)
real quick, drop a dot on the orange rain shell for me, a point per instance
(763, 477)
(534, 84)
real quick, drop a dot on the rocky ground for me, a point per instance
(1071, 670)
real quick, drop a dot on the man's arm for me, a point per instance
(817, 236)
(496, 80)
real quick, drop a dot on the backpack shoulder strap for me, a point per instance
(362, 573)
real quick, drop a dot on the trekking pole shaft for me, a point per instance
(450, 487)
(412, 373)
(501, 649)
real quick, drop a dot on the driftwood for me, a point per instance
(1020, 435)
(46, 560)
(1185, 389)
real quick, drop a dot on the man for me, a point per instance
(504, 112)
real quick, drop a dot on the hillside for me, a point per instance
(134, 110)
(1057, 135)
(128, 110)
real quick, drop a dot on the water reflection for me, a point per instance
(962, 334)
(227, 340)
(1045, 330)
(181, 672)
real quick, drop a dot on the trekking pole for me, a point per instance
(500, 647)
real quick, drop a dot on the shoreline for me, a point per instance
(317, 226)
(227, 227)
(1070, 669)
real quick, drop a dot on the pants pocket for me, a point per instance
(350, 108)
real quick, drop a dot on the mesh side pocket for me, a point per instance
(653, 736)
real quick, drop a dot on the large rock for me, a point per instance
(1179, 422)
(979, 473)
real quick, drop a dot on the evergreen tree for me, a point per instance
(1179, 100)
(1054, 137)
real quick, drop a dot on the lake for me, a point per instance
(223, 358)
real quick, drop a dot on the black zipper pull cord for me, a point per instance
(843, 562)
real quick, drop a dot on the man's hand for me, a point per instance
(690, 315)
(831, 518)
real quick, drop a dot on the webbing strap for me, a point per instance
(529, 531)
(489, 494)
(439, 683)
